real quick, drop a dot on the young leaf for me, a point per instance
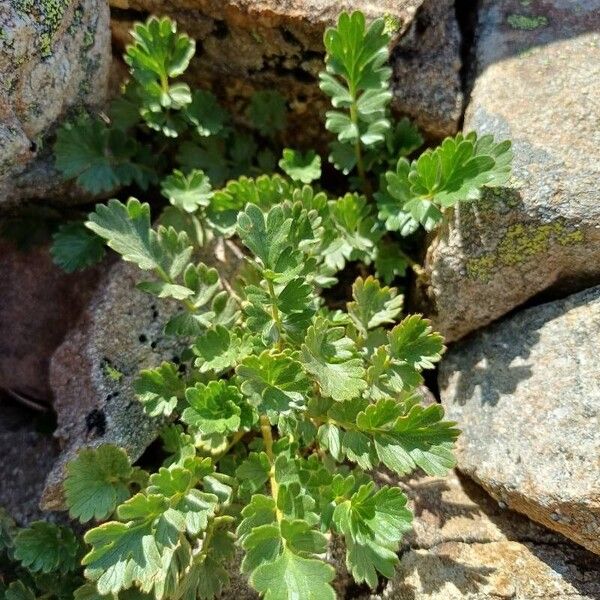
(412, 341)
(330, 357)
(301, 167)
(205, 113)
(274, 382)
(97, 481)
(456, 171)
(160, 389)
(218, 349)
(74, 247)
(373, 305)
(187, 192)
(214, 408)
(45, 547)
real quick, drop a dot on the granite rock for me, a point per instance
(537, 74)
(54, 59)
(525, 394)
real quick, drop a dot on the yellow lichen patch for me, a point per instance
(521, 243)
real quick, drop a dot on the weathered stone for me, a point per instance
(92, 372)
(27, 456)
(538, 68)
(54, 57)
(465, 547)
(39, 303)
(525, 394)
(278, 44)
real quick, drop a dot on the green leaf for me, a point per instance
(17, 590)
(159, 389)
(100, 159)
(404, 441)
(301, 167)
(373, 523)
(390, 262)
(357, 81)
(274, 382)
(266, 235)
(214, 408)
(97, 481)
(205, 113)
(455, 171)
(44, 547)
(126, 229)
(219, 349)
(331, 358)
(74, 247)
(254, 471)
(290, 577)
(267, 112)
(373, 305)
(413, 341)
(187, 192)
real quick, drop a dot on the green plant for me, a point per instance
(284, 408)
(286, 401)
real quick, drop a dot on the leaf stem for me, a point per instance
(267, 434)
(360, 165)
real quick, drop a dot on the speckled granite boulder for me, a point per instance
(538, 68)
(526, 394)
(54, 56)
(92, 372)
(255, 44)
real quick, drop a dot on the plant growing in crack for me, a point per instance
(283, 407)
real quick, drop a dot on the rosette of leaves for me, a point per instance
(281, 414)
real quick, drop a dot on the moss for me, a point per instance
(520, 244)
(112, 373)
(527, 22)
(392, 24)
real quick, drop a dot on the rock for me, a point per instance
(39, 303)
(278, 44)
(27, 456)
(525, 394)
(538, 67)
(92, 372)
(54, 58)
(465, 547)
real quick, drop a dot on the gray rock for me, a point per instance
(525, 394)
(92, 371)
(464, 546)
(257, 44)
(538, 68)
(54, 58)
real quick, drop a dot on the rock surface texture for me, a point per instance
(538, 68)
(92, 372)
(465, 547)
(525, 393)
(54, 56)
(278, 44)
(39, 303)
